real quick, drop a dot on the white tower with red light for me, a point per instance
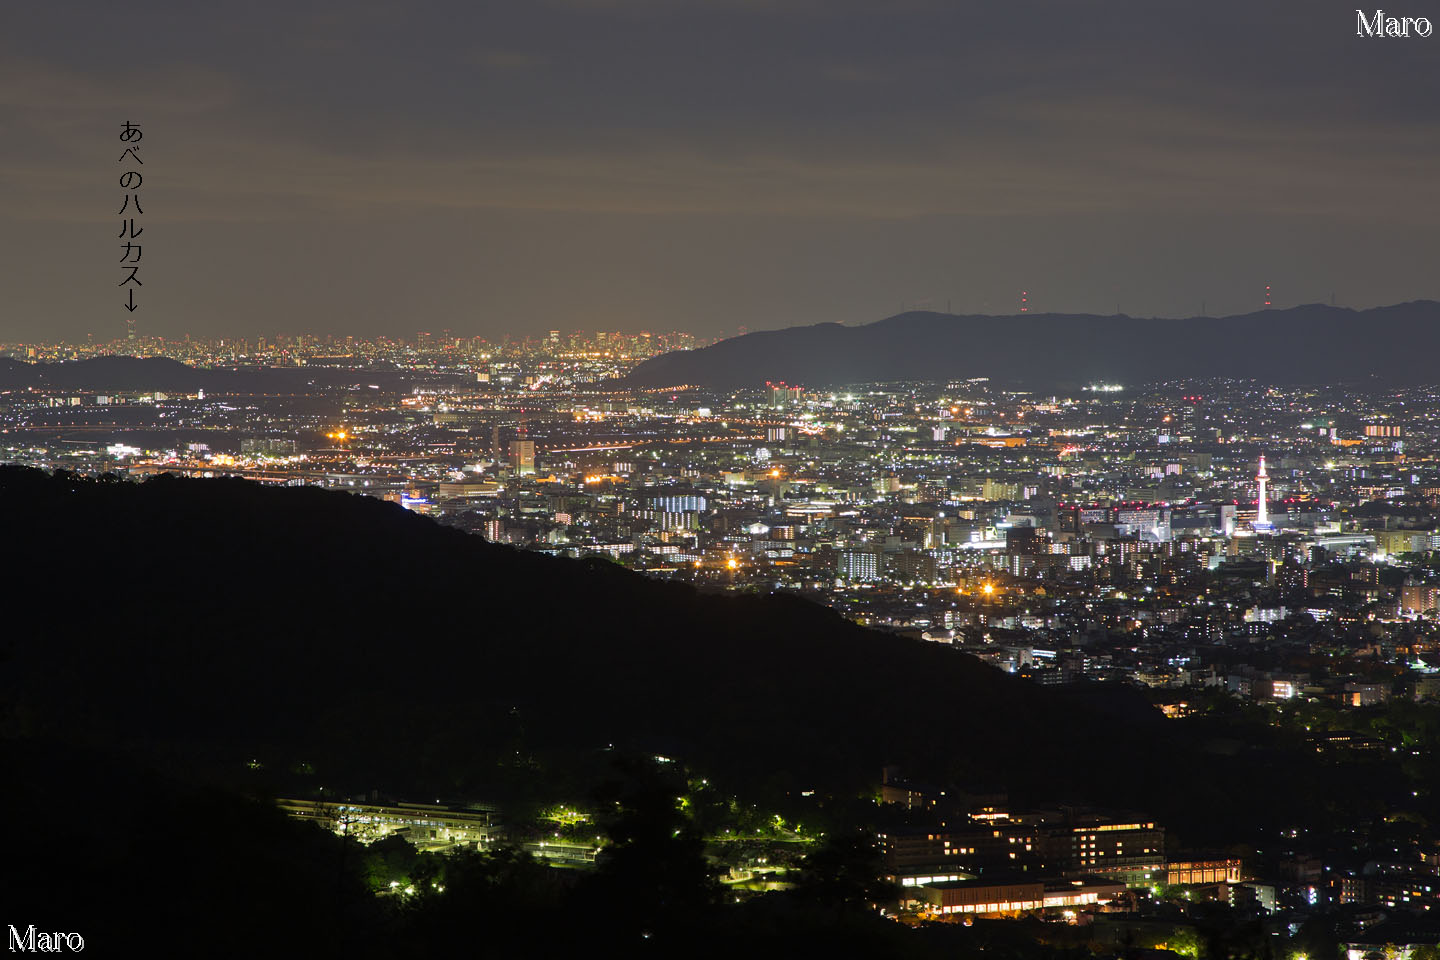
(1262, 509)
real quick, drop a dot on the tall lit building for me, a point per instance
(1262, 507)
(858, 565)
(522, 457)
(782, 394)
(1190, 417)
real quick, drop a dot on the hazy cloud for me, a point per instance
(1127, 128)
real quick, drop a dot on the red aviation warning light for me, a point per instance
(1024, 301)
(1267, 294)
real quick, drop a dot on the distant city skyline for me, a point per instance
(117, 337)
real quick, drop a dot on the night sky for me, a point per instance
(514, 167)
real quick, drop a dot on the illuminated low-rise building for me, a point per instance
(1190, 872)
(423, 824)
(1014, 897)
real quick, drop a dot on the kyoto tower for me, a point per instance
(1262, 512)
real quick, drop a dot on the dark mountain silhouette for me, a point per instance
(216, 621)
(162, 639)
(303, 624)
(1313, 343)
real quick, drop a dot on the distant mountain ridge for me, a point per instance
(1305, 344)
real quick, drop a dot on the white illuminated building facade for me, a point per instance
(1262, 512)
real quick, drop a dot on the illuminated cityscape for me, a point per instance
(1114, 534)
(720, 479)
